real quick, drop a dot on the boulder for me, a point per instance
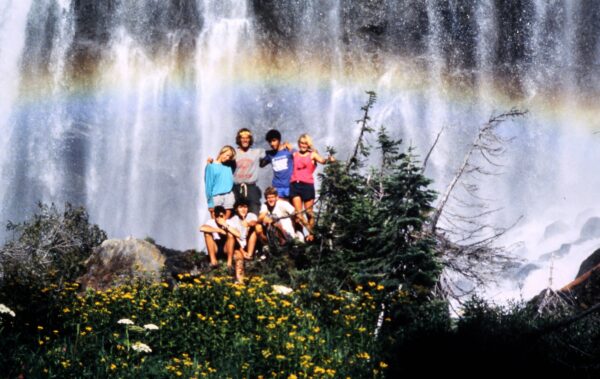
(590, 230)
(554, 229)
(557, 254)
(589, 263)
(115, 262)
(585, 290)
(523, 272)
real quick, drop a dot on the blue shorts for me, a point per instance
(283, 192)
(306, 191)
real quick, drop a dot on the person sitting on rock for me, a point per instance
(219, 236)
(276, 213)
(243, 247)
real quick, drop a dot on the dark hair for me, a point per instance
(238, 137)
(270, 191)
(240, 203)
(219, 209)
(273, 134)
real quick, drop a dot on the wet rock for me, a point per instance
(522, 273)
(590, 230)
(589, 263)
(585, 290)
(563, 250)
(554, 229)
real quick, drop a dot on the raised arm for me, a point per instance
(318, 158)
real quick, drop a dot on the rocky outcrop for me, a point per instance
(590, 262)
(554, 229)
(590, 230)
(585, 289)
(563, 250)
(120, 261)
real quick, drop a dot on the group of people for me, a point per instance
(238, 222)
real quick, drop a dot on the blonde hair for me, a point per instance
(225, 149)
(308, 140)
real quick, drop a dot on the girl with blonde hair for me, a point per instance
(218, 180)
(302, 184)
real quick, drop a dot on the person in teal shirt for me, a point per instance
(218, 180)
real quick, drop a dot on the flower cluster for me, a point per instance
(212, 327)
(6, 310)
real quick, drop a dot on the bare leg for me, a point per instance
(308, 205)
(251, 243)
(212, 248)
(297, 203)
(239, 266)
(229, 247)
(261, 233)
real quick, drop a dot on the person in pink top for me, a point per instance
(302, 184)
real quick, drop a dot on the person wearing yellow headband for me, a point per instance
(245, 176)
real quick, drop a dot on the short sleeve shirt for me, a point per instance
(281, 209)
(247, 164)
(236, 222)
(283, 165)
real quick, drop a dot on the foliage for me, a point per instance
(48, 249)
(53, 244)
(208, 327)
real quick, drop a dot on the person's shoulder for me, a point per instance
(285, 205)
(251, 216)
(234, 221)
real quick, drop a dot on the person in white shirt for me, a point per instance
(218, 234)
(243, 246)
(278, 213)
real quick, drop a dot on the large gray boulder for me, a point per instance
(115, 262)
(590, 230)
(554, 229)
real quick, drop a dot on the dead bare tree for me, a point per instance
(466, 241)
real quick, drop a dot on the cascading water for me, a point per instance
(116, 105)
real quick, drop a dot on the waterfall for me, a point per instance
(13, 21)
(116, 105)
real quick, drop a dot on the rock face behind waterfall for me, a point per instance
(120, 261)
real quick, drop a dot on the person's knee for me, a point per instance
(258, 229)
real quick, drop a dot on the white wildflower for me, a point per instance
(141, 347)
(283, 290)
(125, 321)
(7, 310)
(151, 327)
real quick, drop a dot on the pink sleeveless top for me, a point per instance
(303, 168)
